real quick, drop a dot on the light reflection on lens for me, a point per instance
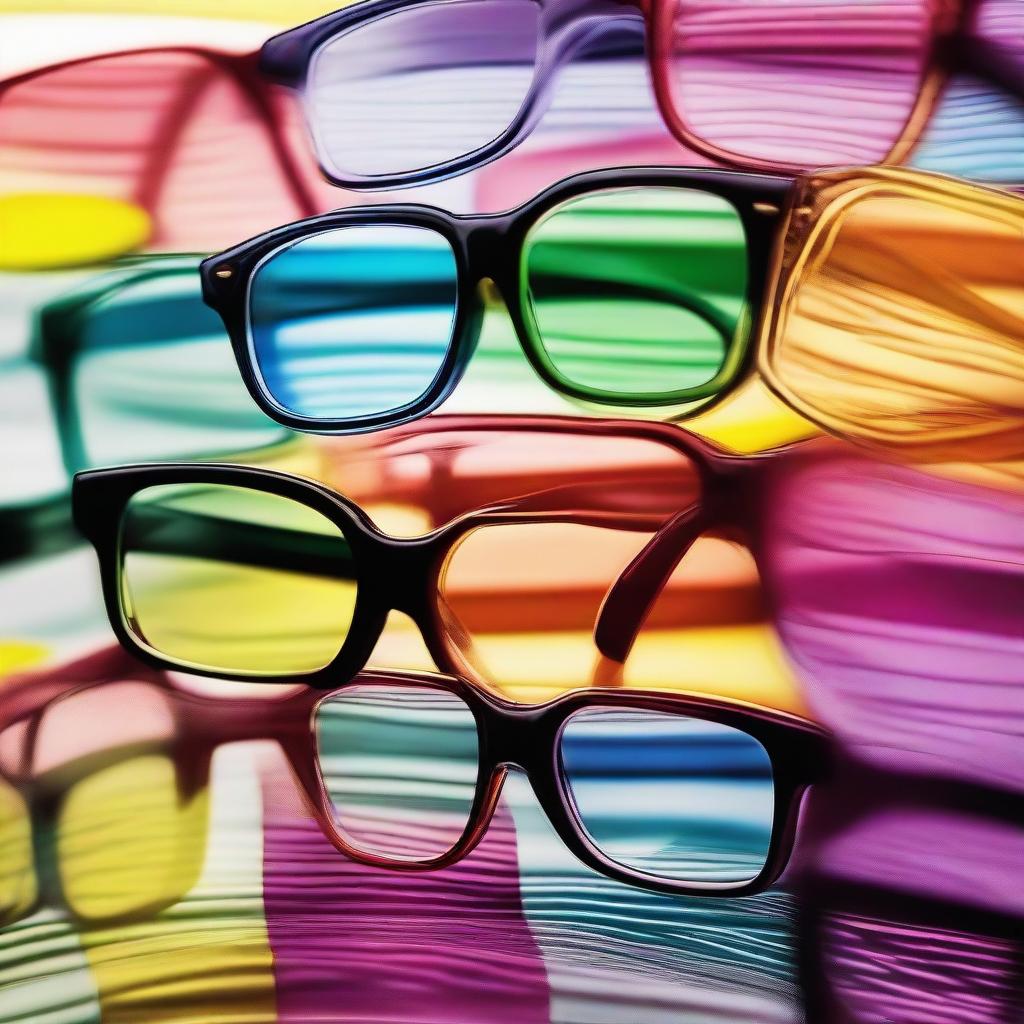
(674, 797)
(400, 765)
(352, 322)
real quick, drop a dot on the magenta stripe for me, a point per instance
(354, 944)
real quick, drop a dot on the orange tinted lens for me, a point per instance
(520, 598)
(903, 326)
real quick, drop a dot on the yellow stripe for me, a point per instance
(282, 12)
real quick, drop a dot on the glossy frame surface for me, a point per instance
(490, 247)
(568, 27)
(401, 574)
(510, 736)
(813, 218)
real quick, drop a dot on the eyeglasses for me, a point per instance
(191, 136)
(642, 287)
(677, 794)
(110, 825)
(625, 287)
(782, 85)
(889, 657)
(136, 367)
(896, 319)
(308, 597)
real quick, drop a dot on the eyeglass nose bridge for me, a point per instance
(491, 257)
(401, 567)
(516, 739)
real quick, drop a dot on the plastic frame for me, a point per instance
(568, 27)
(814, 213)
(244, 70)
(403, 574)
(57, 339)
(510, 736)
(952, 48)
(491, 246)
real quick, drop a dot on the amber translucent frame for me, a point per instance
(813, 218)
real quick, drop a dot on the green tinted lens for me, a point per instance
(638, 294)
(228, 578)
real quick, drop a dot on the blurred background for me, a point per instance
(883, 601)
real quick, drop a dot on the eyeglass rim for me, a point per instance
(491, 246)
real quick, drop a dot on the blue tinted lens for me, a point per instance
(673, 797)
(355, 321)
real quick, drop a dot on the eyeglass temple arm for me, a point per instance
(633, 595)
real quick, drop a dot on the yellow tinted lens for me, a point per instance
(17, 876)
(127, 841)
(903, 327)
(228, 578)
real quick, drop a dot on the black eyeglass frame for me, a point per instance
(403, 574)
(491, 247)
(509, 736)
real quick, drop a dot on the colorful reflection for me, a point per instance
(895, 594)
(133, 890)
(354, 322)
(639, 292)
(670, 796)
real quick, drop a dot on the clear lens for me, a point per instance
(905, 327)
(640, 292)
(810, 83)
(400, 764)
(421, 87)
(353, 322)
(155, 379)
(673, 797)
(228, 578)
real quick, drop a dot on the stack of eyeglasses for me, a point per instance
(524, 425)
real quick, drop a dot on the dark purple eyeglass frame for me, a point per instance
(571, 28)
(566, 28)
